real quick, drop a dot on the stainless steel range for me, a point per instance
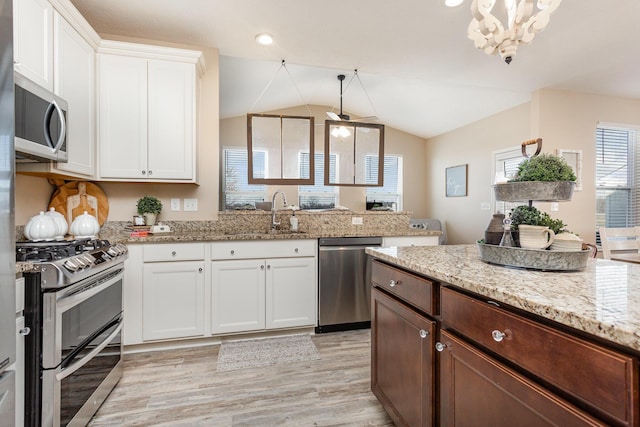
(73, 306)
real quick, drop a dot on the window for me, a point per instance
(616, 177)
(236, 190)
(391, 192)
(317, 196)
(506, 165)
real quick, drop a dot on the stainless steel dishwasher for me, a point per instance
(344, 283)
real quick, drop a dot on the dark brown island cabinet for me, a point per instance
(444, 357)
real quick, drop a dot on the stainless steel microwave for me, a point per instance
(41, 123)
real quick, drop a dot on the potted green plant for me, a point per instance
(544, 177)
(530, 215)
(149, 207)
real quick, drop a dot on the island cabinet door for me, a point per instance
(402, 366)
(477, 390)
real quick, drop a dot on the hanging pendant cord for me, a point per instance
(282, 65)
(356, 76)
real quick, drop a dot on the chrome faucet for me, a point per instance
(275, 223)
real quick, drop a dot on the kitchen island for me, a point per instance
(481, 341)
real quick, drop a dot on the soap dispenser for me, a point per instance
(294, 221)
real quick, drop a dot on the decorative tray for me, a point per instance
(535, 259)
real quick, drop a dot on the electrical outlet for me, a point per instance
(356, 220)
(190, 205)
(175, 205)
(555, 206)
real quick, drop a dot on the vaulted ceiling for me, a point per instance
(418, 68)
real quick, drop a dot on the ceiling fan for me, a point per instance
(345, 117)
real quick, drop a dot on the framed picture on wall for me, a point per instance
(456, 181)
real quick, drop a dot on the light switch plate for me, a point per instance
(175, 205)
(555, 206)
(190, 205)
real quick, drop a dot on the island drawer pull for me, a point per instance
(498, 335)
(423, 333)
(440, 346)
(393, 283)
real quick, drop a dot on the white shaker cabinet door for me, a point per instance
(33, 40)
(74, 64)
(291, 292)
(237, 296)
(122, 116)
(173, 302)
(172, 88)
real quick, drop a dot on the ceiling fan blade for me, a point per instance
(333, 116)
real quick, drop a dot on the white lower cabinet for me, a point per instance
(173, 300)
(254, 293)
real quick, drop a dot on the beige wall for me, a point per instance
(233, 132)
(564, 120)
(32, 193)
(472, 145)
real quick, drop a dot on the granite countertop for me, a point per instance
(213, 236)
(602, 300)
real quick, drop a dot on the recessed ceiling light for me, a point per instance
(264, 39)
(453, 3)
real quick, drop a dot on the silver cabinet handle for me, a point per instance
(262, 267)
(150, 172)
(173, 253)
(200, 270)
(493, 303)
(497, 335)
(25, 331)
(440, 347)
(393, 283)
(423, 333)
(144, 172)
(296, 250)
(268, 266)
(233, 252)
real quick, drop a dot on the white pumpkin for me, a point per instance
(85, 225)
(40, 227)
(61, 223)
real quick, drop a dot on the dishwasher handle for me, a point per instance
(346, 248)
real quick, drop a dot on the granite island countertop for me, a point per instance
(602, 300)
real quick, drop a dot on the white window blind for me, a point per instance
(391, 191)
(616, 178)
(317, 196)
(236, 190)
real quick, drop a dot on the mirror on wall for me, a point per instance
(276, 143)
(358, 153)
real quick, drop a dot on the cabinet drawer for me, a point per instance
(173, 252)
(271, 249)
(415, 290)
(603, 379)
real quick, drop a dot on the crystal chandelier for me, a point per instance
(524, 19)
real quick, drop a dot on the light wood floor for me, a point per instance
(182, 388)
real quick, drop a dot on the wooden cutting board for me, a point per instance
(84, 195)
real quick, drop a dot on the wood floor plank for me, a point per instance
(182, 388)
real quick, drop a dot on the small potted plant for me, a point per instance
(529, 215)
(149, 207)
(544, 177)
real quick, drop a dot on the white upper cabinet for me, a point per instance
(33, 40)
(147, 112)
(74, 81)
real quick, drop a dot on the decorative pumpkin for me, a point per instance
(61, 224)
(40, 227)
(85, 225)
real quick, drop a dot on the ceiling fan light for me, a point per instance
(264, 39)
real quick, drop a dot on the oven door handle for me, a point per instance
(71, 298)
(80, 363)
